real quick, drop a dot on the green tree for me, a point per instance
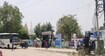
(67, 25)
(49, 27)
(42, 28)
(37, 30)
(80, 34)
(10, 18)
(33, 37)
(23, 33)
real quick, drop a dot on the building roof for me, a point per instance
(47, 33)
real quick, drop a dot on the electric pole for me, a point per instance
(99, 9)
(97, 28)
(104, 11)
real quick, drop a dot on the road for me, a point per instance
(29, 52)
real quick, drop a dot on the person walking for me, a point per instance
(91, 46)
(46, 44)
(86, 45)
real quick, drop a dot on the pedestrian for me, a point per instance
(26, 45)
(77, 45)
(46, 44)
(90, 47)
(13, 48)
(93, 45)
(35, 43)
(85, 43)
(80, 43)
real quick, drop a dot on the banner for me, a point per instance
(58, 42)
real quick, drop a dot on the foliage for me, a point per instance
(37, 30)
(42, 28)
(33, 37)
(80, 34)
(10, 18)
(67, 26)
(23, 33)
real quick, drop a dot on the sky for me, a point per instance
(42, 11)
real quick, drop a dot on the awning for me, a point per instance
(46, 33)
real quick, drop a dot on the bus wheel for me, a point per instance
(8, 46)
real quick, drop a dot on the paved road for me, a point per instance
(29, 52)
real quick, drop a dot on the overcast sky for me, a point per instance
(42, 11)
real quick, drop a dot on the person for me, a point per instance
(91, 46)
(46, 44)
(35, 43)
(26, 45)
(85, 43)
(77, 45)
(43, 44)
(80, 43)
(13, 47)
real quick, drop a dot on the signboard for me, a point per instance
(58, 42)
(95, 34)
(58, 36)
(87, 33)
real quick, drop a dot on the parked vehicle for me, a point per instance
(37, 43)
(24, 44)
(9, 39)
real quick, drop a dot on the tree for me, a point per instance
(37, 30)
(42, 28)
(10, 18)
(67, 26)
(33, 37)
(49, 27)
(23, 33)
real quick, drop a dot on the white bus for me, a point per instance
(7, 40)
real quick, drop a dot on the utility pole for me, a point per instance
(97, 29)
(104, 11)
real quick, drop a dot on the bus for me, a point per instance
(8, 40)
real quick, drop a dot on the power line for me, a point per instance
(21, 2)
(33, 4)
(42, 0)
(78, 3)
(81, 7)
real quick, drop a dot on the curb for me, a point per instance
(65, 52)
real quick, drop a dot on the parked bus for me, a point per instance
(7, 40)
